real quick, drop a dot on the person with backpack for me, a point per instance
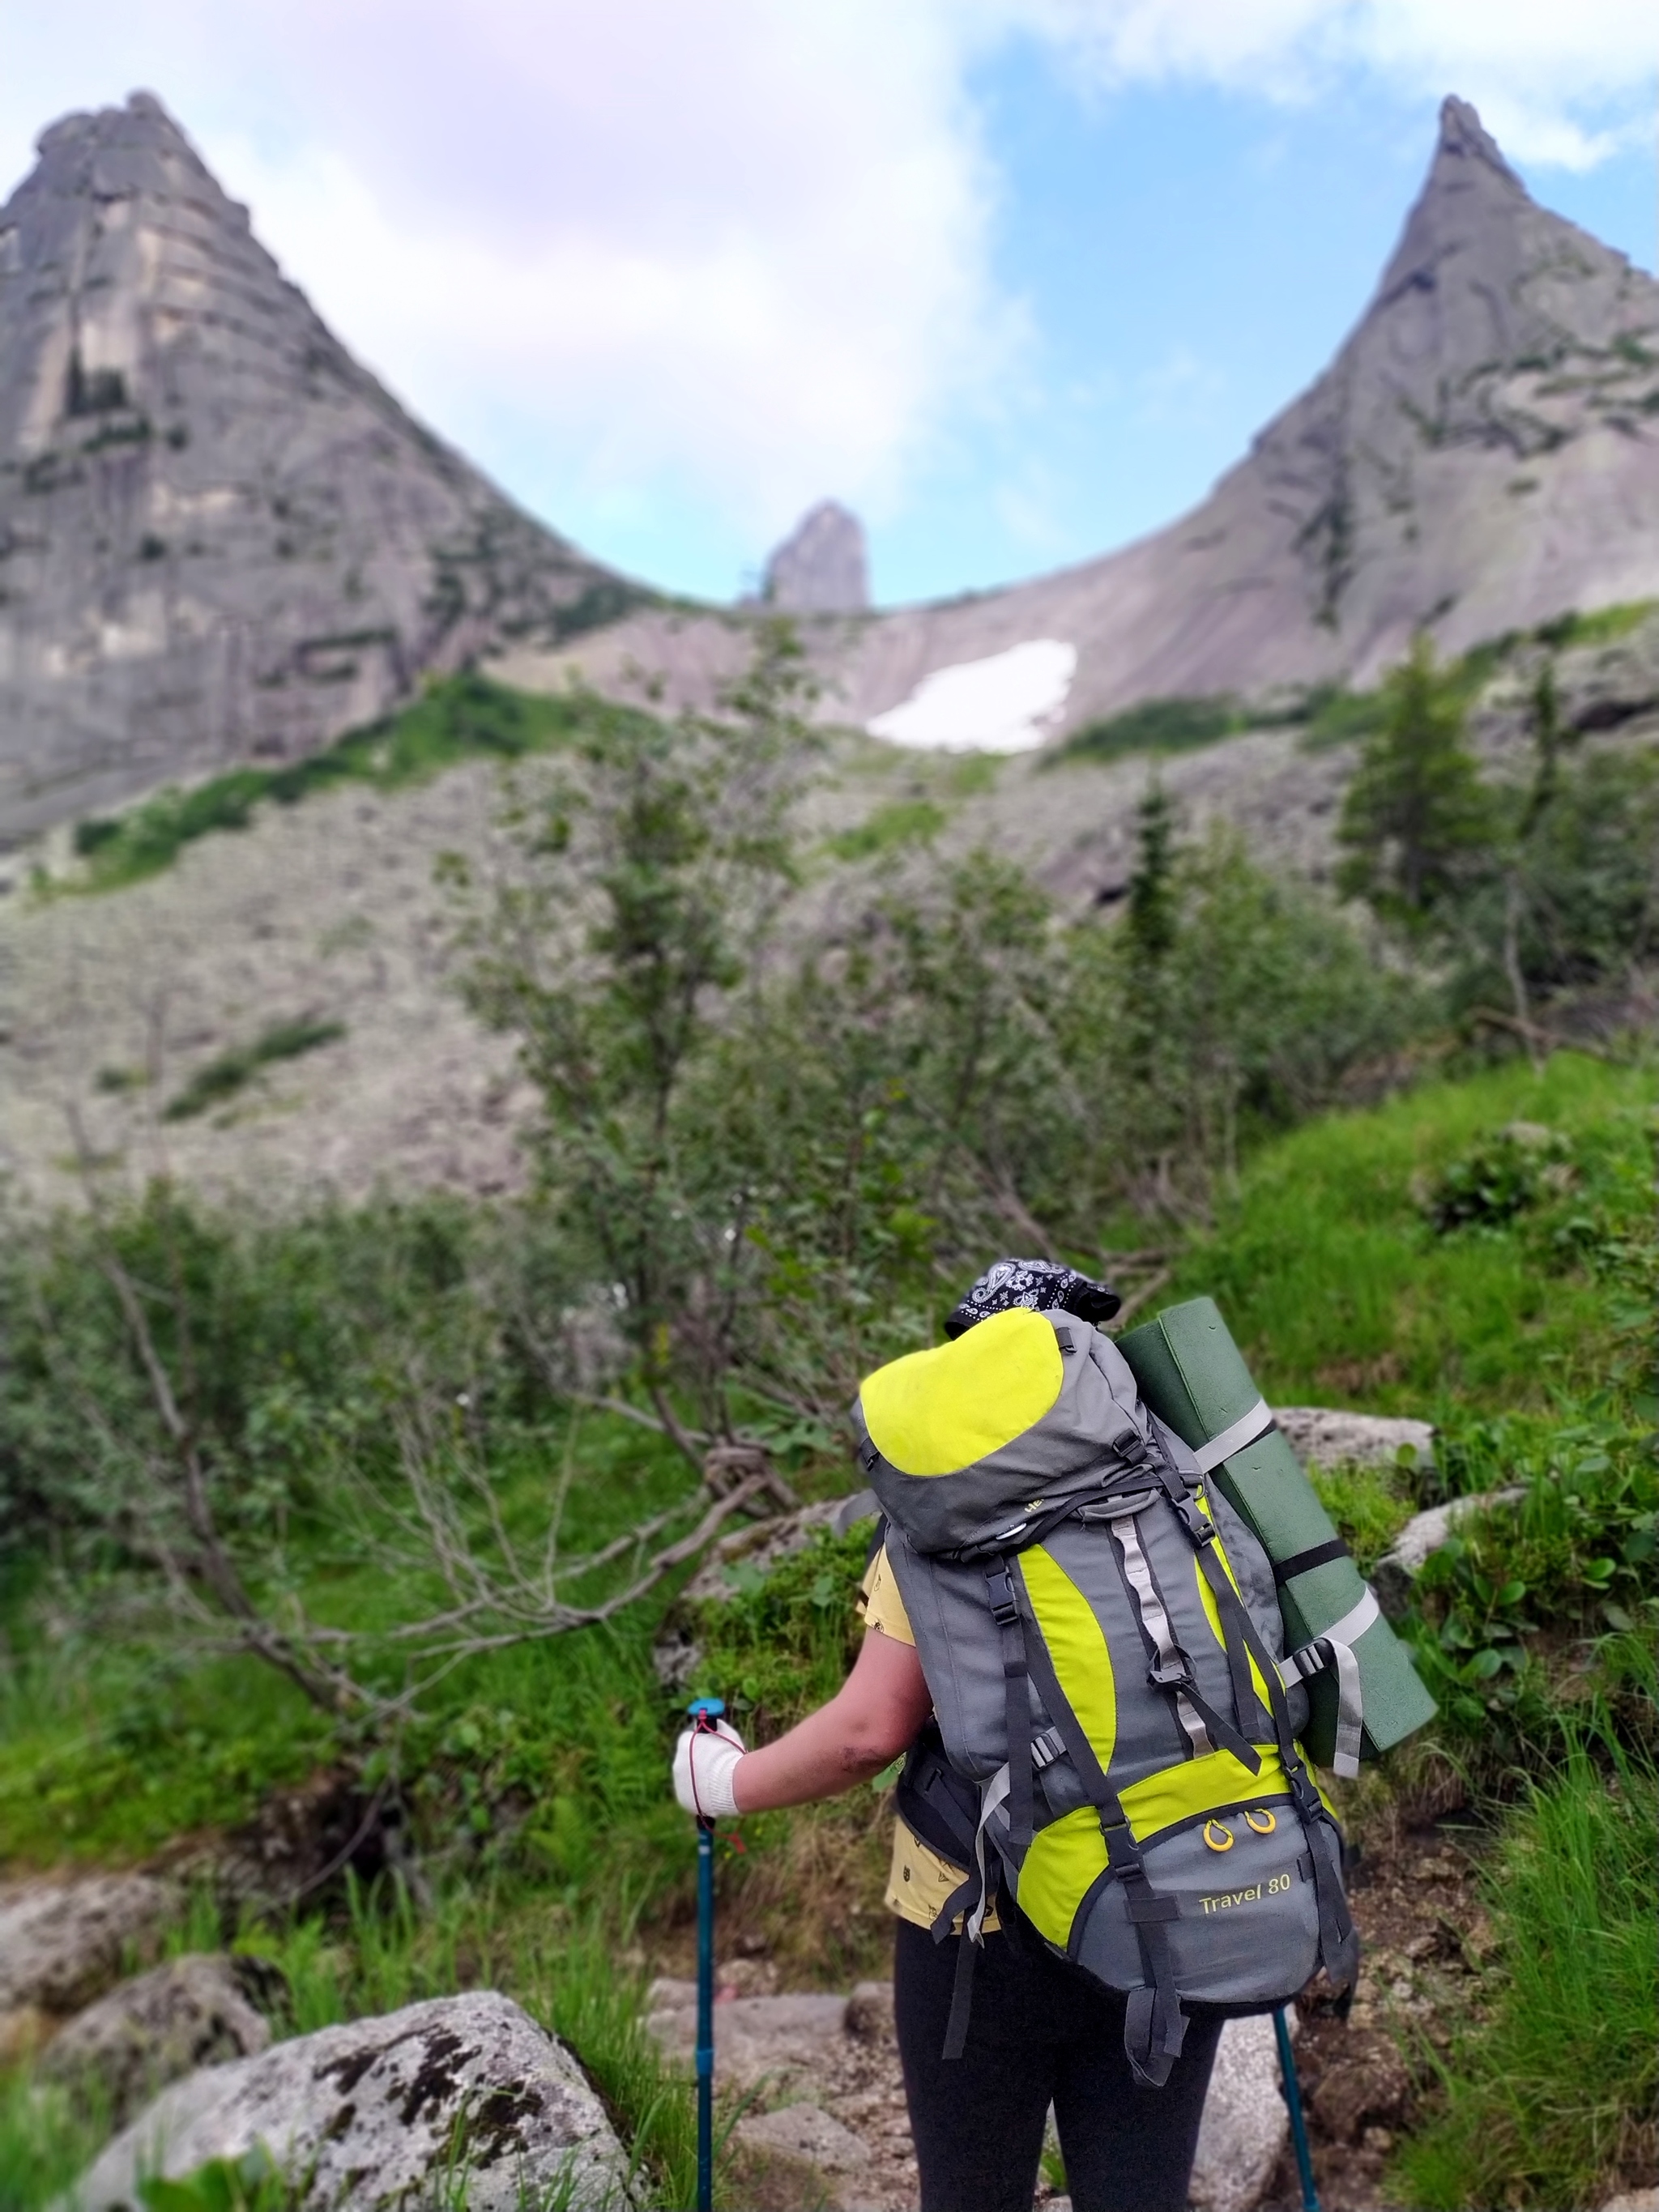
(1109, 1839)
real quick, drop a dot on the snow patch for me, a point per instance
(1005, 704)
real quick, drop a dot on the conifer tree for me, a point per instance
(1416, 812)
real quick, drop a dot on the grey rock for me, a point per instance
(219, 537)
(870, 2013)
(822, 567)
(367, 2112)
(61, 1943)
(1634, 2200)
(806, 2132)
(1246, 2125)
(1400, 1564)
(781, 2041)
(753, 1549)
(762, 1544)
(1326, 1436)
(196, 2011)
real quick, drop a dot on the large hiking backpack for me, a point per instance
(1101, 1639)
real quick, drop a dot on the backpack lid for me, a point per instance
(963, 1441)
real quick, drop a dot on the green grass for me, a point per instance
(1156, 725)
(1602, 627)
(1548, 2099)
(1340, 1292)
(222, 1077)
(890, 829)
(459, 718)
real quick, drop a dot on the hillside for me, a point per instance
(325, 912)
(221, 538)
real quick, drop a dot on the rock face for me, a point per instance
(369, 2113)
(220, 538)
(199, 2010)
(61, 1943)
(822, 567)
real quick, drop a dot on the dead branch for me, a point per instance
(1138, 1297)
(1534, 1033)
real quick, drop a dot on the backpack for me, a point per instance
(1114, 1742)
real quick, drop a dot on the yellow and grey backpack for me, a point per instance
(1101, 1633)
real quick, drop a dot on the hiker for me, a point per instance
(994, 2023)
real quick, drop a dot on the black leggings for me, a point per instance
(1041, 2031)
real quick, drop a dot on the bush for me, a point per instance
(232, 1072)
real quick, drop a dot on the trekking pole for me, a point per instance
(1293, 2089)
(704, 1712)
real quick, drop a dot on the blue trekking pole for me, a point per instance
(1293, 2089)
(704, 1712)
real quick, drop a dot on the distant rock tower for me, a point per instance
(821, 567)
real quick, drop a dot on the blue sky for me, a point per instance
(1016, 279)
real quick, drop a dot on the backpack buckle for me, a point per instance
(1174, 1673)
(1005, 1606)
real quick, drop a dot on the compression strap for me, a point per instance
(1233, 1438)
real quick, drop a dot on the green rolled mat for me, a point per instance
(1190, 1374)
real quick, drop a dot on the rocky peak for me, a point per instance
(220, 536)
(1498, 328)
(821, 567)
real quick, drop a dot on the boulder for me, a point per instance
(1326, 1436)
(1634, 2200)
(1246, 2122)
(1400, 1564)
(368, 2116)
(798, 2156)
(62, 1944)
(781, 2041)
(197, 2011)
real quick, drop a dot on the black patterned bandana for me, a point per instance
(1038, 1284)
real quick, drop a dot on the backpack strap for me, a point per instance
(1171, 1669)
(1154, 2025)
(1005, 1611)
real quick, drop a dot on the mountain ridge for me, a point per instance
(1481, 455)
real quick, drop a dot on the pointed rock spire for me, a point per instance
(219, 536)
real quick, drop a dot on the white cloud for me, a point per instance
(1559, 86)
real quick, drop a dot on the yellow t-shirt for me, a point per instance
(920, 1882)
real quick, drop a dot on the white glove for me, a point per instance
(705, 1760)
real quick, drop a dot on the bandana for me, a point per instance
(1039, 1284)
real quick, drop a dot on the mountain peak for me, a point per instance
(1464, 138)
(220, 536)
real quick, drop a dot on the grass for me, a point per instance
(1340, 1292)
(1328, 713)
(1548, 2099)
(222, 1077)
(457, 717)
(1156, 725)
(890, 829)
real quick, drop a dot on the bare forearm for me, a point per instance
(866, 1725)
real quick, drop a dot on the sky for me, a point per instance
(1016, 280)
